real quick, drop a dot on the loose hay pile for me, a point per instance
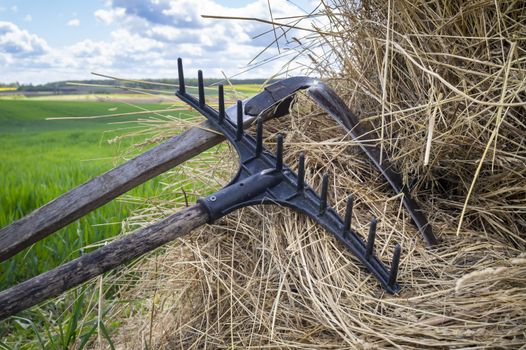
(443, 83)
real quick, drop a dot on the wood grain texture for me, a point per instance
(102, 189)
(69, 275)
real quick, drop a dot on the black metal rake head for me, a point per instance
(263, 178)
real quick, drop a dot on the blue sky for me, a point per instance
(42, 41)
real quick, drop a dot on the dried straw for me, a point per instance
(443, 83)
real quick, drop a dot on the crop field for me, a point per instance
(41, 159)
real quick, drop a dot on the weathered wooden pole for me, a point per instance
(102, 189)
(118, 252)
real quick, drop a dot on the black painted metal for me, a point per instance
(348, 214)
(370, 239)
(280, 96)
(263, 178)
(180, 71)
(201, 86)
(221, 94)
(326, 98)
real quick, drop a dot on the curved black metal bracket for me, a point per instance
(326, 98)
(277, 98)
(263, 178)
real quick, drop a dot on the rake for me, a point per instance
(262, 178)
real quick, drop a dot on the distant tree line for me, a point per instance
(63, 86)
(9, 85)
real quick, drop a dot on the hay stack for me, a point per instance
(443, 83)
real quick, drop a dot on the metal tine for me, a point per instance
(301, 173)
(323, 195)
(221, 96)
(259, 137)
(201, 86)
(370, 239)
(239, 130)
(279, 153)
(182, 88)
(348, 216)
(394, 265)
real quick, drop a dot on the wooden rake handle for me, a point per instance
(118, 252)
(102, 189)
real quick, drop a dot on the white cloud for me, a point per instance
(17, 42)
(125, 41)
(165, 33)
(148, 36)
(5, 59)
(111, 15)
(180, 21)
(24, 56)
(75, 22)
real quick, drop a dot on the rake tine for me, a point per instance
(279, 153)
(239, 130)
(221, 95)
(370, 239)
(182, 88)
(323, 195)
(259, 137)
(301, 173)
(348, 216)
(394, 265)
(201, 85)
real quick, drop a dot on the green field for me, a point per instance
(40, 160)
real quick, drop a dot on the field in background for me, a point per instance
(233, 91)
(40, 160)
(141, 98)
